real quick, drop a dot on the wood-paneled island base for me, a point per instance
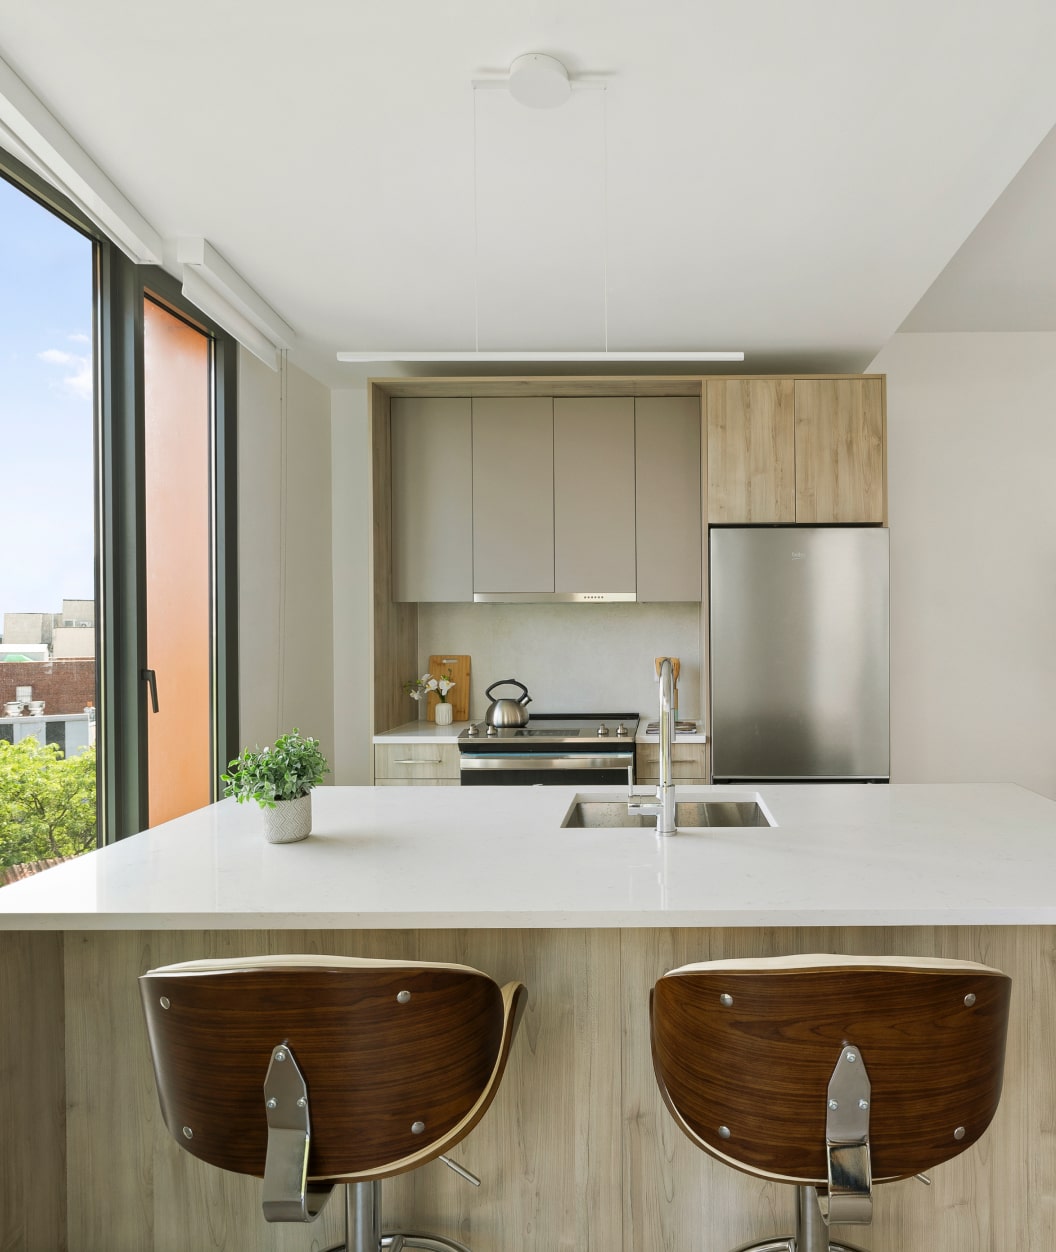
(577, 1152)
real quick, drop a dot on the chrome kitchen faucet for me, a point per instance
(663, 808)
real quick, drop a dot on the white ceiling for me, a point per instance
(787, 177)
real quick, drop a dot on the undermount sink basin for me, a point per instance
(586, 812)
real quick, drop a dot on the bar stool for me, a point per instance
(830, 1072)
(315, 1071)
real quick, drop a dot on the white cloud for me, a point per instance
(78, 369)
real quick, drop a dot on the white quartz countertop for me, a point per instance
(420, 857)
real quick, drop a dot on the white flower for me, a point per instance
(420, 687)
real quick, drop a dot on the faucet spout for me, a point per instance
(663, 809)
(665, 792)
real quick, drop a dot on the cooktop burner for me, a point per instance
(547, 728)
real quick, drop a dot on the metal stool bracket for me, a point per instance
(287, 1196)
(849, 1200)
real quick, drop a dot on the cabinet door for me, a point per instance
(513, 494)
(427, 762)
(432, 499)
(667, 491)
(840, 450)
(689, 762)
(751, 450)
(594, 495)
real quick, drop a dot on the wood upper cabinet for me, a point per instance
(839, 450)
(594, 495)
(751, 450)
(667, 498)
(804, 450)
(432, 524)
(513, 494)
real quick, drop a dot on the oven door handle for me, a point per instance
(544, 760)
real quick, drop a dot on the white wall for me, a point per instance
(284, 542)
(353, 579)
(972, 503)
(571, 657)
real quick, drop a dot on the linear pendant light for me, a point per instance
(537, 81)
(381, 355)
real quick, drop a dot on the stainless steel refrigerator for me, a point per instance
(800, 657)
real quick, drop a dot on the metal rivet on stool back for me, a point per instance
(831, 1072)
(309, 1072)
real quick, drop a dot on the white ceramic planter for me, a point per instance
(444, 713)
(289, 821)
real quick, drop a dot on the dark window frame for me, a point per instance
(119, 289)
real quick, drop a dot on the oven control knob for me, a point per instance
(473, 731)
(603, 730)
(492, 730)
(622, 730)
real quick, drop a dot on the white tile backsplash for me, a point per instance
(571, 657)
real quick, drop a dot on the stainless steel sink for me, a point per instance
(688, 813)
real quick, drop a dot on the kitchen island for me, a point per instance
(578, 1151)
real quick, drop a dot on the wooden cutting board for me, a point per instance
(458, 697)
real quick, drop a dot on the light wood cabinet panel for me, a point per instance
(425, 761)
(667, 498)
(840, 450)
(432, 499)
(751, 450)
(689, 762)
(594, 495)
(578, 1149)
(513, 494)
(417, 782)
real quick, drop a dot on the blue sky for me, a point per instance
(46, 532)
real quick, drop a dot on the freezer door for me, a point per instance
(800, 653)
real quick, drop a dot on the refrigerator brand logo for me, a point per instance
(798, 556)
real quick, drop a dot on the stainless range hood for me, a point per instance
(554, 597)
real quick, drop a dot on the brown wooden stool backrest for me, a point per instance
(931, 1036)
(383, 1047)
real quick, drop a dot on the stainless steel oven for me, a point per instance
(553, 749)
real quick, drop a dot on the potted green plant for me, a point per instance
(280, 778)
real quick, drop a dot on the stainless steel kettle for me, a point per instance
(507, 711)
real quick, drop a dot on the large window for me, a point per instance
(118, 436)
(47, 537)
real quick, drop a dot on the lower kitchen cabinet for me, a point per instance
(689, 763)
(422, 764)
(417, 782)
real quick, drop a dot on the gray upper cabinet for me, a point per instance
(513, 494)
(667, 489)
(529, 496)
(432, 490)
(594, 495)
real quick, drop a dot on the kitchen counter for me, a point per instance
(578, 1148)
(392, 857)
(423, 732)
(429, 732)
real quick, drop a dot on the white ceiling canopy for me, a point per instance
(786, 180)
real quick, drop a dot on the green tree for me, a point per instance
(47, 802)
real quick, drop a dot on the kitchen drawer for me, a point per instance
(428, 762)
(689, 762)
(416, 782)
